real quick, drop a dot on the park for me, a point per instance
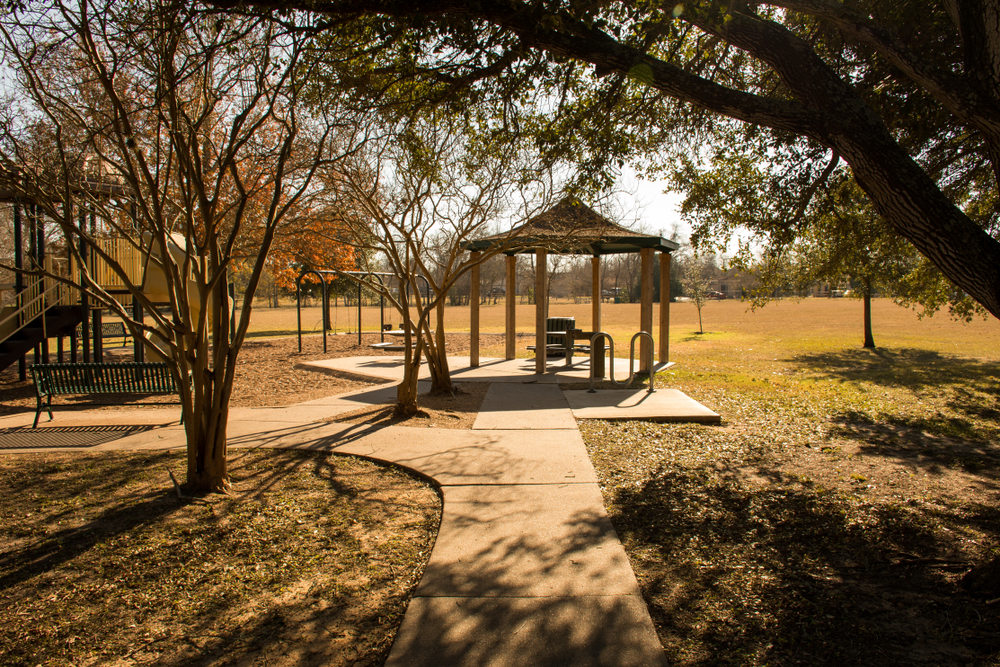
(865, 478)
(335, 333)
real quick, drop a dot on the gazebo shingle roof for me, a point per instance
(571, 227)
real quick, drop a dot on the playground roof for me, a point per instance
(571, 227)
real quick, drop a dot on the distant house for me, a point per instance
(731, 283)
(828, 290)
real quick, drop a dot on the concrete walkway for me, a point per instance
(526, 569)
(663, 405)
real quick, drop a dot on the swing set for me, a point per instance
(359, 277)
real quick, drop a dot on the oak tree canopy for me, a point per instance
(905, 93)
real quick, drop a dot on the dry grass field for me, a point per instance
(803, 325)
(834, 515)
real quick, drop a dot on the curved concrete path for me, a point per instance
(526, 569)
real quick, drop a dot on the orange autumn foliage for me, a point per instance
(316, 243)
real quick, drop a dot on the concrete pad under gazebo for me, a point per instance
(570, 227)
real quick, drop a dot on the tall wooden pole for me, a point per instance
(541, 314)
(510, 320)
(474, 315)
(664, 307)
(595, 294)
(646, 306)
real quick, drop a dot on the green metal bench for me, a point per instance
(128, 378)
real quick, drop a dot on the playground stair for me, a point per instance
(59, 321)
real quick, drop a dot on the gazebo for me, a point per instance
(571, 227)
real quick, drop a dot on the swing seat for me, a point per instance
(390, 346)
(399, 333)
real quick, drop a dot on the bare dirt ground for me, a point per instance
(310, 562)
(266, 377)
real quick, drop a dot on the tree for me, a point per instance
(418, 195)
(908, 94)
(837, 234)
(192, 121)
(319, 240)
(851, 239)
(698, 271)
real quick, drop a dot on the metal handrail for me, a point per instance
(34, 306)
(631, 360)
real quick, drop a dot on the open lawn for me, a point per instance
(803, 325)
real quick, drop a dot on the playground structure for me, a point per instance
(38, 307)
(358, 277)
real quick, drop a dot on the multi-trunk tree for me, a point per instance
(194, 123)
(417, 196)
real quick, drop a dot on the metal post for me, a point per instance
(98, 338)
(326, 309)
(22, 369)
(138, 346)
(541, 269)
(84, 299)
(511, 319)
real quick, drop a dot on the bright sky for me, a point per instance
(643, 203)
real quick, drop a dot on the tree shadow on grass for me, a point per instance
(85, 585)
(919, 444)
(62, 503)
(970, 387)
(746, 575)
(911, 368)
(501, 627)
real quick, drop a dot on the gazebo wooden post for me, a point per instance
(595, 294)
(511, 289)
(541, 306)
(646, 306)
(474, 315)
(664, 355)
(597, 354)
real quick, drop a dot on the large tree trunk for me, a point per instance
(406, 391)
(437, 357)
(869, 339)
(206, 399)
(207, 449)
(206, 417)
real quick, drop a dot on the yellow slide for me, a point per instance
(155, 288)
